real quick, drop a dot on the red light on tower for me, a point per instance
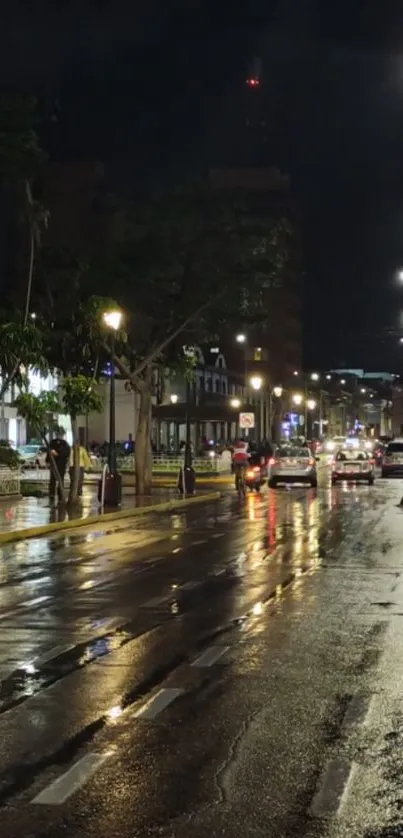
(253, 82)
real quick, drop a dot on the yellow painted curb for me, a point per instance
(60, 526)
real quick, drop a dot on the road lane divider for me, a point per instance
(61, 789)
(333, 790)
(107, 518)
(210, 656)
(163, 698)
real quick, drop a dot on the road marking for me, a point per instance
(218, 535)
(332, 791)
(201, 541)
(61, 789)
(157, 600)
(368, 717)
(51, 654)
(157, 703)
(350, 780)
(210, 656)
(189, 586)
(23, 606)
(356, 709)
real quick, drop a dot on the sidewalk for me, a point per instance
(34, 512)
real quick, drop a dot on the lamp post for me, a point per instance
(256, 382)
(113, 487)
(277, 392)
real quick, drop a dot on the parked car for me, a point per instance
(353, 464)
(292, 464)
(392, 461)
(32, 456)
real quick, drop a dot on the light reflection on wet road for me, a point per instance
(197, 668)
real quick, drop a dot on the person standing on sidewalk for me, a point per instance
(84, 464)
(61, 453)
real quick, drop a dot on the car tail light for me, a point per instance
(256, 469)
(372, 462)
(252, 472)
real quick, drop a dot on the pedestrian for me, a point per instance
(84, 465)
(61, 453)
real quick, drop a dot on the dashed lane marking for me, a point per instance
(333, 790)
(157, 600)
(190, 586)
(157, 703)
(61, 789)
(210, 656)
(201, 541)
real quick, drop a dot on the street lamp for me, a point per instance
(311, 404)
(113, 488)
(343, 381)
(297, 399)
(315, 376)
(241, 338)
(295, 372)
(363, 390)
(278, 392)
(235, 403)
(256, 382)
(174, 398)
(328, 378)
(400, 275)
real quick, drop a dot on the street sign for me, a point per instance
(246, 420)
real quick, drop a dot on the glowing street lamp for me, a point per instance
(315, 376)
(113, 495)
(363, 390)
(174, 398)
(400, 275)
(235, 403)
(295, 372)
(311, 404)
(297, 399)
(256, 382)
(343, 381)
(278, 392)
(112, 320)
(241, 338)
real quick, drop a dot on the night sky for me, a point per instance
(143, 86)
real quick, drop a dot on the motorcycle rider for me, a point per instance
(240, 458)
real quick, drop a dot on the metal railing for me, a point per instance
(10, 481)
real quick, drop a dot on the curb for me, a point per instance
(108, 517)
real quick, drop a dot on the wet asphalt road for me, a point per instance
(233, 670)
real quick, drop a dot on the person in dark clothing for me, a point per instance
(61, 453)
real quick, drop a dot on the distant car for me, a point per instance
(331, 445)
(32, 456)
(292, 464)
(353, 464)
(392, 461)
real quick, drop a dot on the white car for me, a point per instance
(292, 464)
(32, 456)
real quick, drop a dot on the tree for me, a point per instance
(38, 411)
(69, 319)
(79, 398)
(187, 266)
(21, 160)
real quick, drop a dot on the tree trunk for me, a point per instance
(53, 467)
(143, 462)
(31, 254)
(73, 494)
